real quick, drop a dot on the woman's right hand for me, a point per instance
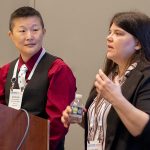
(65, 118)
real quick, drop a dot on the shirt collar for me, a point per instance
(126, 74)
(30, 63)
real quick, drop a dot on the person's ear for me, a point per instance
(10, 34)
(44, 31)
(138, 45)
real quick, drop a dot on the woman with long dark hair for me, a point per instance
(118, 107)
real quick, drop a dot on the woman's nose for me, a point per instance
(109, 37)
(29, 35)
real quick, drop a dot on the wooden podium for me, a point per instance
(13, 124)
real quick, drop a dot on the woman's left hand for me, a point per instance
(108, 89)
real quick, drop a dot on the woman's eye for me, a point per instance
(21, 30)
(119, 33)
(35, 29)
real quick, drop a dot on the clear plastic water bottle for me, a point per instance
(77, 109)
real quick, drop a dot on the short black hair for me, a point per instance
(25, 11)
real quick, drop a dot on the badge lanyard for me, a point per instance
(99, 120)
(34, 67)
(94, 143)
(15, 97)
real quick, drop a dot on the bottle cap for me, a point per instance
(78, 96)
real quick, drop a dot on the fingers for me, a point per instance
(99, 82)
(102, 75)
(101, 78)
(116, 81)
(98, 86)
(105, 79)
(102, 81)
(65, 116)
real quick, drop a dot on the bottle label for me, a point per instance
(76, 115)
(77, 110)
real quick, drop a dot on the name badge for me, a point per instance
(15, 99)
(94, 145)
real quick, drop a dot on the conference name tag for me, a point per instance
(94, 145)
(15, 99)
